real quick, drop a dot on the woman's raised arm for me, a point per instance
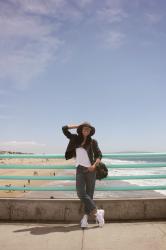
(66, 131)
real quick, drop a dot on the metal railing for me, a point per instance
(131, 156)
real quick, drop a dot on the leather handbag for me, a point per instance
(101, 171)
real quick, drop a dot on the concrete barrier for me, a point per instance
(71, 210)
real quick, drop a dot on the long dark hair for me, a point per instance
(80, 139)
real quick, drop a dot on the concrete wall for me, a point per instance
(71, 210)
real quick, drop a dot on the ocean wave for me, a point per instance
(135, 172)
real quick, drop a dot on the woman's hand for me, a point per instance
(92, 168)
(73, 126)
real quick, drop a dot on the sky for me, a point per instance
(63, 62)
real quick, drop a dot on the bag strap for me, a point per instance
(91, 145)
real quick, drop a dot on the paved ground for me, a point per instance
(149, 235)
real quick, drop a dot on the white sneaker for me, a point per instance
(84, 221)
(100, 217)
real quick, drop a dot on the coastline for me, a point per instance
(20, 172)
(61, 194)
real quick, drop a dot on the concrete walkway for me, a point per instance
(142, 235)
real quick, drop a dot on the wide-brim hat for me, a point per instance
(86, 124)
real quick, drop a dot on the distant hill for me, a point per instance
(12, 152)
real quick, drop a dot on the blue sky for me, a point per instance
(66, 62)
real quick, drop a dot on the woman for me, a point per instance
(87, 155)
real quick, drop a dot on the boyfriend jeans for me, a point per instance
(85, 186)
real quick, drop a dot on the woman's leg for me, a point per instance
(90, 179)
(81, 178)
(90, 188)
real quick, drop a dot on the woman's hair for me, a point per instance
(80, 140)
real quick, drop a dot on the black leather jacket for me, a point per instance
(94, 152)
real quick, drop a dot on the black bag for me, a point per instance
(101, 171)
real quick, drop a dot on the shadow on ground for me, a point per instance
(50, 229)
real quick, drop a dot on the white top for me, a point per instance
(82, 157)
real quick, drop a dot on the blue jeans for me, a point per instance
(85, 186)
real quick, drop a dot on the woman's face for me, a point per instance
(86, 131)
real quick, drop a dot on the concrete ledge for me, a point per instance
(71, 210)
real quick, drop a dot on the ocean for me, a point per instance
(139, 171)
(112, 183)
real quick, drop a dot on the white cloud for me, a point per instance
(113, 39)
(27, 47)
(30, 39)
(153, 18)
(60, 9)
(22, 146)
(40, 7)
(112, 15)
(115, 3)
(84, 3)
(22, 143)
(29, 42)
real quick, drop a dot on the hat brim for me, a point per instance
(79, 129)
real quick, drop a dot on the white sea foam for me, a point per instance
(137, 171)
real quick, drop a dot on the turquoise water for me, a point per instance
(138, 171)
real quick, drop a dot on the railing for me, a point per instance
(134, 156)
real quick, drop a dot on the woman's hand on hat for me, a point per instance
(73, 126)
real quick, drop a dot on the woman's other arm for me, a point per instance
(97, 155)
(66, 131)
(97, 151)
